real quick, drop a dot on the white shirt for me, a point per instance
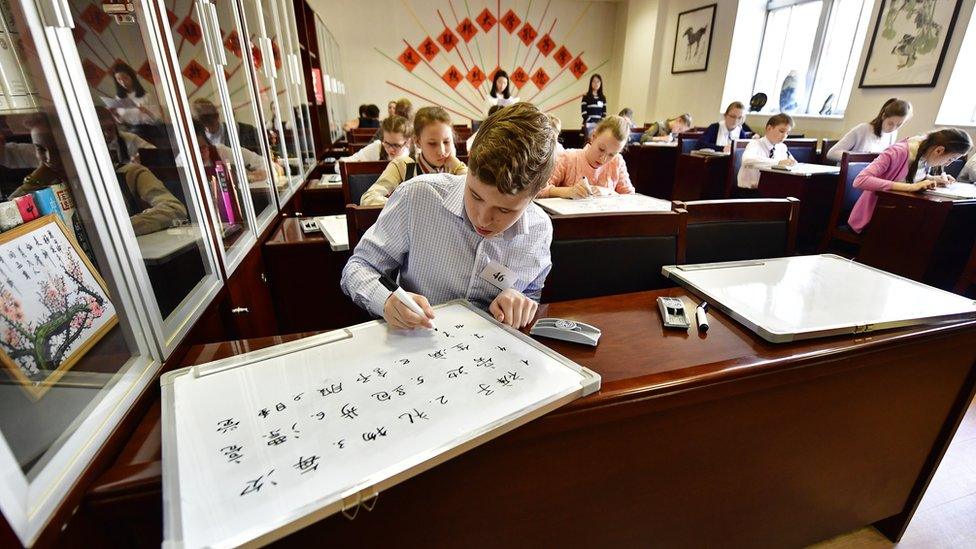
(369, 153)
(725, 136)
(134, 115)
(424, 233)
(861, 138)
(757, 155)
(500, 100)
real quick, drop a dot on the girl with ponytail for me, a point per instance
(905, 166)
(876, 135)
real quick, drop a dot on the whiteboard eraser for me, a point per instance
(567, 330)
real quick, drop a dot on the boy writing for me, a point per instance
(448, 235)
(766, 152)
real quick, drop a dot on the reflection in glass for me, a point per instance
(124, 80)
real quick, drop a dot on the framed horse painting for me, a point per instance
(693, 40)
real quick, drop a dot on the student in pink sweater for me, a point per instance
(597, 169)
(905, 166)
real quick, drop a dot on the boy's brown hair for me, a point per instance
(513, 150)
(404, 108)
(779, 119)
(735, 105)
(397, 124)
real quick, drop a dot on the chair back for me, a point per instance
(358, 177)
(613, 254)
(968, 278)
(825, 147)
(358, 220)
(735, 162)
(955, 168)
(687, 141)
(851, 165)
(361, 135)
(803, 150)
(740, 229)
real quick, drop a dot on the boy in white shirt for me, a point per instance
(395, 142)
(766, 152)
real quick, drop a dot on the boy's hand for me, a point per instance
(513, 308)
(787, 162)
(400, 317)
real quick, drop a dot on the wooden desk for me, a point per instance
(701, 177)
(304, 273)
(651, 168)
(920, 236)
(816, 193)
(322, 199)
(693, 440)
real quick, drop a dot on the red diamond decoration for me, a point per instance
(487, 20)
(93, 73)
(428, 48)
(172, 17)
(578, 68)
(466, 29)
(520, 77)
(409, 58)
(540, 78)
(78, 33)
(190, 30)
(510, 21)
(476, 77)
(527, 34)
(452, 77)
(563, 56)
(233, 43)
(447, 40)
(546, 45)
(96, 19)
(145, 71)
(257, 56)
(276, 54)
(196, 73)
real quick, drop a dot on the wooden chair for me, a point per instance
(825, 147)
(461, 133)
(356, 147)
(357, 177)
(735, 162)
(358, 220)
(360, 135)
(740, 229)
(968, 278)
(687, 141)
(851, 165)
(613, 254)
(803, 150)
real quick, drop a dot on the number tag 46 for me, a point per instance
(499, 276)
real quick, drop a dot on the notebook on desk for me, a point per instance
(955, 191)
(614, 203)
(801, 168)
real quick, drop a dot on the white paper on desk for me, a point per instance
(806, 169)
(615, 203)
(955, 191)
(119, 103)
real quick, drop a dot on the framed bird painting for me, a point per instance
(693, 40)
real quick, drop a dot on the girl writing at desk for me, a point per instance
(596, 169)
(905, 166)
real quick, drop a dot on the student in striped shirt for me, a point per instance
(593, 104)
(445, 234)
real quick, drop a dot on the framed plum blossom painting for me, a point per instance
(54, 306)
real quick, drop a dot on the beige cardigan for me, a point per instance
(395, 173)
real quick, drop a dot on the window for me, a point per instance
(959, 103)
(815, 44)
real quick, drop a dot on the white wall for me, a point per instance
(366, 28)
(701, 93)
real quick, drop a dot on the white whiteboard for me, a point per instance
(336, 231)
(614, 203)
(427, 396)
(792, 298)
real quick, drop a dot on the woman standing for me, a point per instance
(133, 106)
(594, 104)
(501, 93)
